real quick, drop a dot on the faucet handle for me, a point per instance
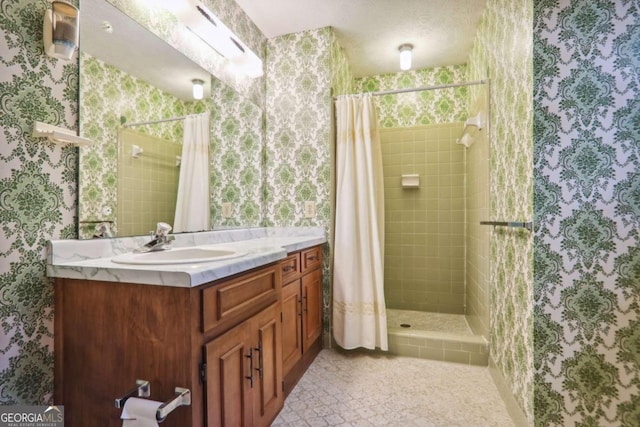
(162, 229)
(103, 230)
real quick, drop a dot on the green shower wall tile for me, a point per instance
(423, 242)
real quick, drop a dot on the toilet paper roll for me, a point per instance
(139, 412)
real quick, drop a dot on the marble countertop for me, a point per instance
(93, 259)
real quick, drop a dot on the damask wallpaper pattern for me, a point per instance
(38, 180)
(503, 49)
(587, 212)
(585, 282)
(37, 197)
(298, 128)
(236, 157)
(418, 108)
(304, 70)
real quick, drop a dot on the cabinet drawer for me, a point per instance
(311, 258)
(233, 301)
(290, 268)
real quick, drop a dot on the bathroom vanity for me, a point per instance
(301, 313)
(222, 339)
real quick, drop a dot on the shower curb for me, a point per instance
(442, 346)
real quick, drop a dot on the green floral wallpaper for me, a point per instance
(37, 197)
(587, 211)
(418, 108)
(236, 157)
(571, 324)
(38, 180)
(342, 81)
(503, 48)
(304, 70)
(298, 166)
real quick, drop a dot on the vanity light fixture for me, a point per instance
(206, 25)
(405, 56)
(198, 88)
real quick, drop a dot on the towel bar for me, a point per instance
(527, 225)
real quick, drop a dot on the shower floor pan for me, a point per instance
(435, 336)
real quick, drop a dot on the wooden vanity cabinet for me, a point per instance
(244, 372)
(301, 313)
(221, 340)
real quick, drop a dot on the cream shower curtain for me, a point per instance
(192, 206)
(359, 314)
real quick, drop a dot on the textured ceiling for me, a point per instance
(370, 31)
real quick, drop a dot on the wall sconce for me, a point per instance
(198, 88)
(405, 56)
(61, 30)
(206, 25)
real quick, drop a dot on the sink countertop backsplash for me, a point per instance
(91, 259)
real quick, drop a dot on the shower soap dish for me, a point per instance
(411, 181)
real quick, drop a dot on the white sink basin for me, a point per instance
(178, 256)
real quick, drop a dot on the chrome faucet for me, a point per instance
(102, 230)
(160, 239)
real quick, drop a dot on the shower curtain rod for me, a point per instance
(420, 89)
(151, 122)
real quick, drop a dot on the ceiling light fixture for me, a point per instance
(405, 56)
(198, 88)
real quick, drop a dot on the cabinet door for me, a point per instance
(230, 363)
(291, 326)
(312, 307)
(268, 396)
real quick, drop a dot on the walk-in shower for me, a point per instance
(436, 251)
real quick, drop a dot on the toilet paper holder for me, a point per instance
(143, 389)
(181, 398)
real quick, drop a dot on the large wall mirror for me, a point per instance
(134, 91)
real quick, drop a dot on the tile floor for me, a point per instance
(372, 389)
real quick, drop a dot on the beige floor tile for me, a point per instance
(363, 389)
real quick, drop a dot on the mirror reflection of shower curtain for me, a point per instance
(359, 312)
(192, 205)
